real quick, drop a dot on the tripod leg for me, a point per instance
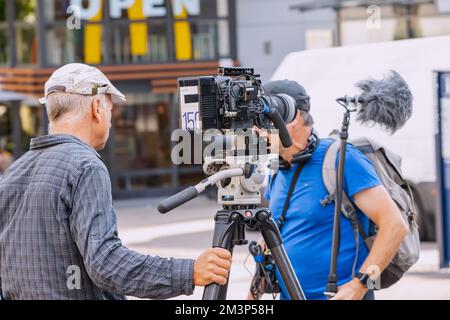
(272, 237)
(287, 273)
(223, 235)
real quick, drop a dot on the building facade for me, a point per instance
(143, 46)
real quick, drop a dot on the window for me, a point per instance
(199, 30)
(69, 39)
(21, 14)
(203, 40)
(224, 39)
(4, 50)
(25, 32)
(203, 32)
(139, 43)
(56, 11)
(66, 46)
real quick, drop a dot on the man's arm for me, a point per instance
(382, 210)
(110, 265)
(113, 267)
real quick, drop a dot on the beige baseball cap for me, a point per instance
(82, 79)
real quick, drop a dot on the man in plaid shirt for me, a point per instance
(57, 217)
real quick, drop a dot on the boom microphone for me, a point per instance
(386, 102)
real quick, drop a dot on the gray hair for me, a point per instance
(62, 106)
(307, 118)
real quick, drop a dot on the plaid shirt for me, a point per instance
(58, 232)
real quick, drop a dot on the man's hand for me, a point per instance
(213, 265)
(352, 290)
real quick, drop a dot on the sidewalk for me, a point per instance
(424, 281)
(188, 230)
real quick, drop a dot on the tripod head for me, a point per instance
(238, 183)
(237, 162)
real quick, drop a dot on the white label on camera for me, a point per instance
(189, 111)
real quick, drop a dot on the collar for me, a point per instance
(55, 139)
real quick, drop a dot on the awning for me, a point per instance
(11, 96)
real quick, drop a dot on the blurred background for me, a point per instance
(143, 46)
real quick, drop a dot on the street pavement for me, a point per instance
(186, 231)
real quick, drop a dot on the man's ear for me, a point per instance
(95, 109)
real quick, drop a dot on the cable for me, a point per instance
(265, 269)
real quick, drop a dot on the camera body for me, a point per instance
(226, 107)
(233, 100)
(230, 100)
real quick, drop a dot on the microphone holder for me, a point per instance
(332, 285)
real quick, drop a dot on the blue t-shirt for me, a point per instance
(308, 229)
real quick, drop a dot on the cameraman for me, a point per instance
(58, 231)
(308, 226)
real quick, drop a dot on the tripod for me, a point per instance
(239, 184)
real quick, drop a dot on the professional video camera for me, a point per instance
(231, 104)
(234, 99)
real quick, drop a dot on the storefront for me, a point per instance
(19, 121)
(143, 47)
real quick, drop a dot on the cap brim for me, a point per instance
(116, 95)
(117, 100)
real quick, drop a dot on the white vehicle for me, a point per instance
(330, 73)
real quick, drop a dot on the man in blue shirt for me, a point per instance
(308, 226)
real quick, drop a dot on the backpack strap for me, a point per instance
(282, 217)
(329, 179)
(348, 209)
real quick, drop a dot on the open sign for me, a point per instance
(150, 8)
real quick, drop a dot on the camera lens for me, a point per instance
(284, 104)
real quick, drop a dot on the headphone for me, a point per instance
(304, 155)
